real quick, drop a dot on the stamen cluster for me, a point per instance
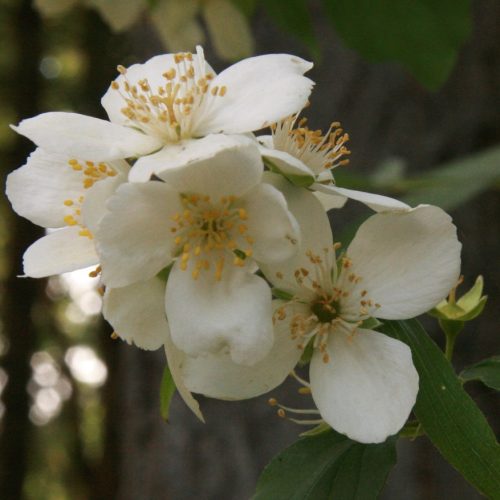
(167, 110)
(207, 227)
(318, 151)
(91, 173)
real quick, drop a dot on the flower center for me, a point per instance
(209, 233)
(327, 289)
(91, 173)
(321, 153)
(167, 110)
(326, 309)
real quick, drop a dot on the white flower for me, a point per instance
(56, 192)
(137, 313)
(307, 158)
(364, 383)
(166, 104)
(216, 219)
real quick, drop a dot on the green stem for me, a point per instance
(450, 345)
(412, 430)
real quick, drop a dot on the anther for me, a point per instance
(95, 272)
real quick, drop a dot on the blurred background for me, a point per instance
(79, 412)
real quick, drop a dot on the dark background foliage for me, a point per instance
(110, 442)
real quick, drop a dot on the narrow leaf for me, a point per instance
(327, 466)
(167, 390)
(487, 371)
(362, 472)
(451, 185)
(449, 417)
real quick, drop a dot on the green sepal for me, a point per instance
(469, 299)
(319, 429)
(466, 308)
(281, 294)
(240, 254)
(371, 324)
(297, 180)
(487, 371)
(167, 390)
(475, 311)
(307, 353)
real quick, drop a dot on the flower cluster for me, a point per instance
(194, 224)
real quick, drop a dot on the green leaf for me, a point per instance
(455, 183)
(487, 371)
(449, 417)
(293, 16)
(327, 466)
(422, 35)
(167, 390)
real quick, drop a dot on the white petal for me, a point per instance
(94, 203)
(38, 189)
(314, 227)
(193, 151)
(376, 202)
(175, 358)
(152, 71)
(59, 252)
(137, 313)
(230, 165)
(408, 261)
(260, 91)
(208, 316)
(368, 387)
(274, 229)
(285, 162)
(134, 239)
(330, 201)
(80, 136)
(217, 376)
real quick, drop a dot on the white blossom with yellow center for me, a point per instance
(160, 111)
(308, 157)
(214, 220)
(69, 194)
(178, 97)
(364, 383)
